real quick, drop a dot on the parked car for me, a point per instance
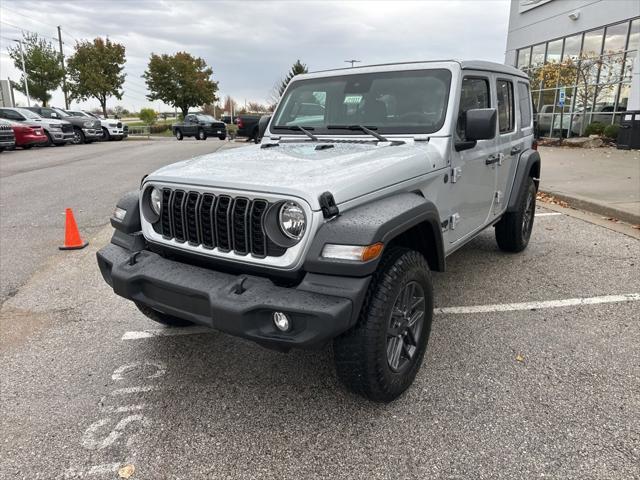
(28, 135)
(84, 130)
(7, 137)
(200, 126)
(329, 230)
(112, 129)
(546, 116)
(58, 132)
(247, 126)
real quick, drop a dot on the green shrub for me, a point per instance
(594, 128)
(162, 127)
(611, 131)
(148, 116)
(232, 129)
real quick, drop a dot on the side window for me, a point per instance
(10, 114)
(473, 94)
(506, 120)
(524, 100)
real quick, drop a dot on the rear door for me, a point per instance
(473, 181)
(190, 125)
(509, 142)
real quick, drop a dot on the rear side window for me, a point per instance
(506, 120)
(524, 100)
(473, 94)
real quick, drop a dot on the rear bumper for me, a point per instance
(320, 307)
(31, 140)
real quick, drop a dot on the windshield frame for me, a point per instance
(387, 130)
(61, 113)
(205, 117)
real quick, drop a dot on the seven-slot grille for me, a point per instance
(216, 221)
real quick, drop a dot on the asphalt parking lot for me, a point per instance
(540, 380)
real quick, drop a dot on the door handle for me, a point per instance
(491, 159)
(515, 150)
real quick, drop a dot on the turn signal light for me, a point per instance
(358, 253)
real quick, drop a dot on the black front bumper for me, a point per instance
(320, 307)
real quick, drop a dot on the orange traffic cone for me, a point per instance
(72, 240)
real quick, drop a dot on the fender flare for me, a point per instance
(131, 221)
(383, 221)
(529, 161)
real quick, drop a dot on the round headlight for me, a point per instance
(155, 200)
(292, 220)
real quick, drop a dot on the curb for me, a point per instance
(595, 207)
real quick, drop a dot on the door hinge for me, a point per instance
(456, 174)
(455, 219)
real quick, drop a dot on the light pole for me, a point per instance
(352, 62)
(24, 73)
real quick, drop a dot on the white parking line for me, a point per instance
(548, 214)
(128, 390)
(499, 307)
(569, 302)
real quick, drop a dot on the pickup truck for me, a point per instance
(247, 126)
(200, 126)
(85, 130)
(112, 129)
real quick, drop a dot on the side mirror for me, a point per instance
(480, 124)
(262, 125)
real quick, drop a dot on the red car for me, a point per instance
(28, 134)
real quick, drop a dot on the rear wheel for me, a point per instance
(162, 318)
(380, 357)
(222, 137)
(256, 136)
(26, 147)
(513, 231)
(179, 135)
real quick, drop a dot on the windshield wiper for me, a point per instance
(362, 128)
(299, 128)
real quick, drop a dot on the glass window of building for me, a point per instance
(524, 55)
(592, 45)
(572, 46)
(615, 39)
(554, 51)
(537, 55)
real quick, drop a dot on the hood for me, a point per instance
(80, 121)
(50, 121)
(347, 170)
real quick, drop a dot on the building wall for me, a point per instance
(551, 20)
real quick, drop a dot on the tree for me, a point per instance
(148, 115)
(180, 80)
(96, 71)
(230, 106)
(257, 107)
(296, 69)
(582, 72)
(42, 64)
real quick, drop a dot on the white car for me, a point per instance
(112, 128)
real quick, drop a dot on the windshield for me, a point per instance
(205, 118)
(60, 112)
(27, 113)
(77, 114)
(413, 101)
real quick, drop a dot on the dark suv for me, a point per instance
(85, 130)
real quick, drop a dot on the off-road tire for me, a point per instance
(201, 135)
(360, 354)
(162, 318)
(256, 136)
(179, 135)
(513, 231)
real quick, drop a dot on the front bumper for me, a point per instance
(92, 134)
(320, 307)
(59, 136)
(7, 143)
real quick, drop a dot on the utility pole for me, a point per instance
(352, 62)
(64, 78)
(24, 73)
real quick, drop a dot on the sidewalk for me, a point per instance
(601, 180)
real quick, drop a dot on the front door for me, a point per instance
(473, 173)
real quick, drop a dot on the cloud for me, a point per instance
(251, 45)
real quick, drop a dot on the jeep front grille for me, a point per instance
(216, 222)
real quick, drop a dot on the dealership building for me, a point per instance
(595, 46)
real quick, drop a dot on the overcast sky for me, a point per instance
(251, 45)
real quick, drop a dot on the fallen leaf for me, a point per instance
(519, 358)
(127, 471)
(548, 228)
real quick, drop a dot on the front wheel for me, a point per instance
(513, 231)
(222, 137)
(179, 135)
(162, 318)
(106, 136)
(202, 135)
(78, 136)
(380, 357)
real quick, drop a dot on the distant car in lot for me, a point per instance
(58, 132)
(112, 129)
(247, 126)
(200, 126)
(7, 137)
(85, 130)
(28, 135)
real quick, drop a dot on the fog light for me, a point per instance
(281, 321)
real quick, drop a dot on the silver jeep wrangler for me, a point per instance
(366, 180)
